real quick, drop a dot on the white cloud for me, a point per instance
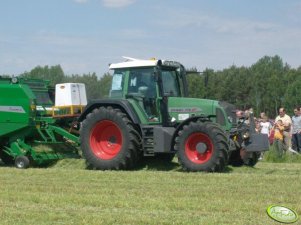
(198, 20)
(117, 3)
(215, 41)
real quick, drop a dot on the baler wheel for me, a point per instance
(22, 162)
(202, 146)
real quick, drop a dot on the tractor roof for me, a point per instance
(131, 62)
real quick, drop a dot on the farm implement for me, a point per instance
(32, 131)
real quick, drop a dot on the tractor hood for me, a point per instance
(180, 109)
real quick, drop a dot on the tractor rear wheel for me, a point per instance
(109, 140)
(202, 146)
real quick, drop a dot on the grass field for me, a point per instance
(155, 193)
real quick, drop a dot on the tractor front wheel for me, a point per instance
(202, 146)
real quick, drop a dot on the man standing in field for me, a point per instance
(296, 136)
(287, 123)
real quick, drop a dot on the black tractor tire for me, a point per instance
(22, 162)
(250, 158)
(109, 140)
(241, 157)
(202, 146)
(235, 159)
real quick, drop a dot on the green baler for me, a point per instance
(28, 134)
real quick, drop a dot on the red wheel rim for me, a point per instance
(191, 148)
(106, 140)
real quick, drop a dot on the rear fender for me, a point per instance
(123, 105)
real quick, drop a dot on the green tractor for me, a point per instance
(148, 113)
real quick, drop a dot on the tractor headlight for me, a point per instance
(230, 119)
(220, 117)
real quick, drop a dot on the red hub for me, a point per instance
(106, 140)
(198, 148)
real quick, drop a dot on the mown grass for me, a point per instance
(156, 193)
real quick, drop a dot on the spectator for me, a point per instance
(265, 125)
(239, 114)
(262, 115)
(278, 137)
(296, 132)
(265, 128)
(257, 127)
(287, 123)
(247, 114)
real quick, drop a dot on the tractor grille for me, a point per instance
(220, 118)
(230, 111)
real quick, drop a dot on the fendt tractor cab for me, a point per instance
(149, 114)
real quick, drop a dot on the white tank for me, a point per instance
(69, 94)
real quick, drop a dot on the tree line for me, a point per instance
(265, 86)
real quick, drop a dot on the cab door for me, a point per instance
(143, 89)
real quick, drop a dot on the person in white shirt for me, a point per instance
(265, 126)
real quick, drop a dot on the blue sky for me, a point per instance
(86, 35)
